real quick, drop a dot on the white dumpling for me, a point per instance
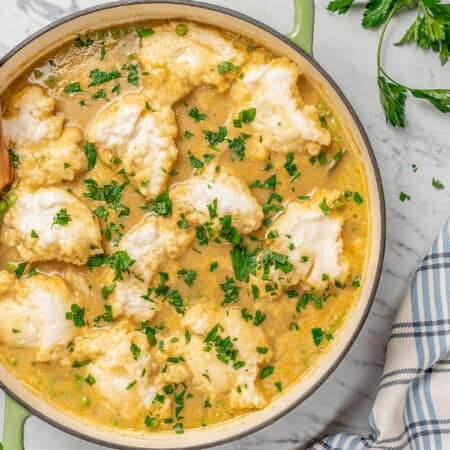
(33, 313)
(232, 195)
(48, 153)
(312, 242)
(153, 243)
(32, 226)
(130, 300)
(283, 123)
(140, 138)
(177, 64)
(125, 369)
(215, 377)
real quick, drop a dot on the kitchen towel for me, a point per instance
(412, 406)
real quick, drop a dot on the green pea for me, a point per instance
(11, 266)
(11, 199)
(3, 206)
(85, 401)
(13, 361)
(181, 29)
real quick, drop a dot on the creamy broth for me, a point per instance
(287, 322)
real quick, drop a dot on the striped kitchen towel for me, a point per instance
(412, 406)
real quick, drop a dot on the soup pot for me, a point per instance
(21, 401)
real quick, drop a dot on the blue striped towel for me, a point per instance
(412, 406)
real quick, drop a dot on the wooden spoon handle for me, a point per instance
(6, 166)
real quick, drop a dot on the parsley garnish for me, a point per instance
(80, 42)
(403, 196)
(14, 157)
(135, 350)
(230, 291)
(247, 115)
(82, 363)
(73, 88)
(144, 32)
(324, 207)
(196, 115)
(133, 76)
(266, 372)
(437, 184)
(188, 276)
(182, 223)
(61, 217)
(99, 77)
(213, 266)
(318, 335)
(76, 314)
(215, 137)
(91, 154)
(163, 204)
(243, 261)
(111, 194)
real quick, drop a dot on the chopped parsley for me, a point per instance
(82, 363)
(133, 75)
(215, 137)
(291, 167)
(228, 231)
(145, 32)
(14, 157)
(196, 115)
(357, 198)
(111, 194)
(213, 266)
(237, 146)
(266, 372)
(73, 88)
(318, 336)
(163, 204)
(182, 223)
(188, 276)
(259, 318)
(107, 290)
(17, 268)
(135, 350)
(90, 380)
(403, 196)
(76, 314)
(99, 77)
(34, 235)
(269, 183)
(86, 42)
(437, 184)
(247, 115)
(61, 218)
(107, 316)
(324, 207)
(188, 134)
(91, 154)
(230, 291)
(243, 261)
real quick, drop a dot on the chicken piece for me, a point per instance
(232, 195)
(48, 153)
(130, 300)
(51, 224)
(142, 138)
(33, 314)
(153, 243)
(310, 244)
(210, 326)
(177, 64)
(283, 123)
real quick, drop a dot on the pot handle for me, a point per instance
(302, 33)
(13, 424)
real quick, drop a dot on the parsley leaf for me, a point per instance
(76, 314)
(437, 184)
(230, 291)
(144, 32)
(73, 88)
(163, 204)
(188, 276)
(340, 6)
(61, 217)
(377, 11)
(226, 67)
(243, 261)
(99, 77)
(91, 154)
(393, 98)
(196, 115)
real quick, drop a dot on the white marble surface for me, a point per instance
(347, 52)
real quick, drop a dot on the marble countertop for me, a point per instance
(347, 52)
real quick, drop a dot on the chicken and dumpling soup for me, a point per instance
(187, 229)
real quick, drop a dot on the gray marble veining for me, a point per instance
(347, 52)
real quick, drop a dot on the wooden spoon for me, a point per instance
(6, 166)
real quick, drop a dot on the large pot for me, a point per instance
(298, 48)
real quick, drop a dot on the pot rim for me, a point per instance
(379, 189)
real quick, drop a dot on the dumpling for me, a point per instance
(124, 370)
(140, 138)
(33, 314)
(153, 243)
(130, 300)
(177, 64)
(232, 195)
(310, 241)
(51, 224)
(283, 123)
(48, 153)
(237, 378)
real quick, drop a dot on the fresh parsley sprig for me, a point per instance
(430, 30)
